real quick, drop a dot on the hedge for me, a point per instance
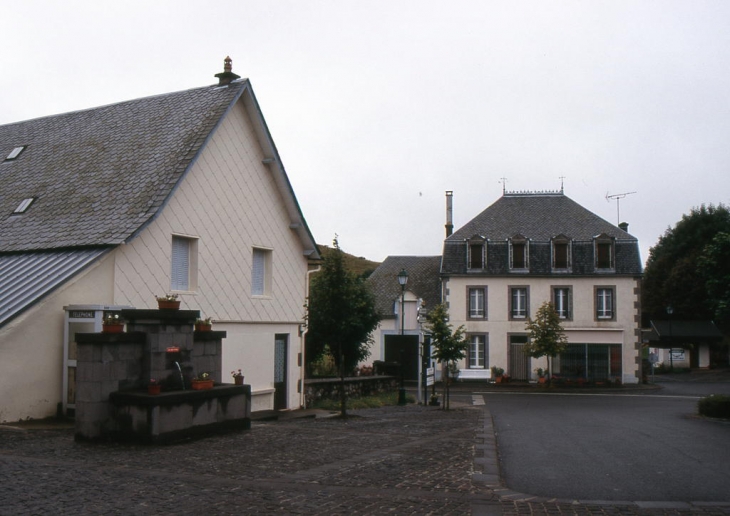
(715, 405)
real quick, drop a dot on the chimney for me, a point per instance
(624, 226)
(227, 76)
(449, 213)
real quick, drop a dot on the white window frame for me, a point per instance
(475, 295)
(563, 303)
(478, 351)
(605, 303)
(518, 304)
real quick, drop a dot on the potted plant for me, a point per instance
(498, 374)
(154, 387)
(202, 382)
(203, 324)
(168, 302)
(237, 377)
(112, 323)
(540, 375)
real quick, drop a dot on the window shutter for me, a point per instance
(180, 264)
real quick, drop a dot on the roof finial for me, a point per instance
(503, 180)
(562, 189)
(227, 76)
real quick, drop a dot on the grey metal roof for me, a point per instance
(667, 333)
(539, 218)
(423, 281)
(27, 277)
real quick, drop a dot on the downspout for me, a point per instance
(302, 336)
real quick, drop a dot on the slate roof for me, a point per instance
(423, 281)
(539, 218)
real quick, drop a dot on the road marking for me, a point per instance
(594, 394)
(477, 399)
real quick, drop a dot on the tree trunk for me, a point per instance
(343, 397)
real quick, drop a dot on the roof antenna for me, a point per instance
(618, 197)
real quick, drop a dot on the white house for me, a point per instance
(528, 248)
(177, 193)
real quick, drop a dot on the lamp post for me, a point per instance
(670, 311)
(403, 281)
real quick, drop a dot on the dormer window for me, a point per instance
(476, 253)
(604, 252)
(15, 153)
(519, 253)
(561, 253)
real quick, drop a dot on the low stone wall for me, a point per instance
(316, 389)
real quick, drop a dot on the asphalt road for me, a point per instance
(646, 446)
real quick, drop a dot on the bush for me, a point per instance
(716, 405)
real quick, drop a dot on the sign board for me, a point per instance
(677, 354)
(81, 314)
(430, 372)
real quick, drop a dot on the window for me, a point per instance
(604, 252)
(261, 272)
(184, 263)
(605, 307)
(476, 257)
(518, 253)
(518, 303)
(561, 252)
(478, 352)
(14, 153)
(562, 302)
(23, 206)
(477, 302)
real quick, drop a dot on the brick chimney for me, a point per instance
(227, 76)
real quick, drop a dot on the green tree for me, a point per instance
(546, 337)
(448, 346)
(341, 315)
(714, 267)
(672, 276)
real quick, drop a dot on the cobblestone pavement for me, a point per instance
(395, 460)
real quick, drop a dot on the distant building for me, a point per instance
(178, 193)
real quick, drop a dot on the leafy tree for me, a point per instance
(714, 267)
(672, 276)
(448, 346)
(341, 315)
(546, 337)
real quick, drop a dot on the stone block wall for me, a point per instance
(355, 387)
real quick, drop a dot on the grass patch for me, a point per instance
(376, 401)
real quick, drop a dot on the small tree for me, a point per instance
(546, 338)
(341, 314)
(447, 346)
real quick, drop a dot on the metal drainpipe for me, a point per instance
(302, 338)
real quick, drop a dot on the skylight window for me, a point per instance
(24, 205)
(15, 153)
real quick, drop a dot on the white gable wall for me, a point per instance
(230, 203)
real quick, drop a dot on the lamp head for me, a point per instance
(403, 277)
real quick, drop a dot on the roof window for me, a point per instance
(23, 206)
(15, 153)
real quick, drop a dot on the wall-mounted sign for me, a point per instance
(81, 314)
(173, 349)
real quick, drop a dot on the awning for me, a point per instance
(677, 334)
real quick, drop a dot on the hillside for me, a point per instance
(356, 264)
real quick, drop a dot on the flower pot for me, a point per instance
(168, 305)
(154, 388)
(498, 379)
(112, 328)
(541, 379)
(238, 380)
(202, 385)
(203, 327)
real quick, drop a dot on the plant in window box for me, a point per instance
(154, 387)
(202, 382)
(203, 324)
(237, 377)
(112, 323)
(497, 373)
(168, 302)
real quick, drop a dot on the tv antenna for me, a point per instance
(618, 198)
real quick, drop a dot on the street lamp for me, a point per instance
(670, 311)
(403, 281)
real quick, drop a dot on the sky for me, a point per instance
(379, 107)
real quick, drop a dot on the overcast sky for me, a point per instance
(378, 107)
